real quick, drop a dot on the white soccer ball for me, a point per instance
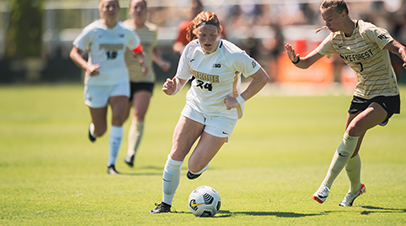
(204, 201)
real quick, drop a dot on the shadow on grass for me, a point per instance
(375, 209)
(144, 171)
(227, 213)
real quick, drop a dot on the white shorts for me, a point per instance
(98, 96)
(217, 126)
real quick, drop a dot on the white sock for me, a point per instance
(91, 129)
(201, 171)
(353, 169)
(171, 179)
(340, 158)
(116, 135)
(134, 137)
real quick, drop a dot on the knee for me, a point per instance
(100, 130)
(195, 166)
(138, 116)
(118, 120)
(354, 130)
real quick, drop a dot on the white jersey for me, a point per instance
(217, 75)
(106, 48)
(364, 52)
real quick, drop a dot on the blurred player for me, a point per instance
(181, 41)
(365, 48)
(106, 81)
(214, 102)
(141, 86)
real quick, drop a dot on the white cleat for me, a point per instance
(350, 197)
(321, 195)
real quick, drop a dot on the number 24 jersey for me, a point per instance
(217, 75)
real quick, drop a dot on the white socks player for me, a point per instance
(341, 158)
(116, 135)
(134, 140)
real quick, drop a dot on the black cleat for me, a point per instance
(161, 208)
(112, 170)
(91, 138)
(192, 176)
(129, 160)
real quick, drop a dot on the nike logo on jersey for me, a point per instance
(121, 36)
(217, 65)
(191, 60)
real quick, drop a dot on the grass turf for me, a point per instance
(276, 159)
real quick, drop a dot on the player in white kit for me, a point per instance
(365, 48)
(214, 102)
(106, 81)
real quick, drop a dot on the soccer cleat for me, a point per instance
(321, 194)
(129, 160)
(192, 176)
(91, 137)
(112, 170)
(161, 208)
(350, 197)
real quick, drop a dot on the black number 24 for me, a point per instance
(204, 85)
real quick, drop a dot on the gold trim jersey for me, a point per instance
(148, 36)
(364, 52)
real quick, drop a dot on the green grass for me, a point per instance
(275, 160)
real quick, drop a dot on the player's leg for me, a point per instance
(216, 132)
(186, 133)
(96, 99)
(140, 102)
(358, 124)
(118, 107)
(203, 153)
(98, 126)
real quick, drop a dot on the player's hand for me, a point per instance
(231, 102)
(93, 70)
(291, 52)
(165, 65)
(169, 86)
(144, 69)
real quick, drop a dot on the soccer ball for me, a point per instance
(204, 201)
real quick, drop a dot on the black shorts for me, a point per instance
(138, 86)
(391, 104)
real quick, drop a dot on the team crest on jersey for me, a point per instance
(253, 64)
(217, 65)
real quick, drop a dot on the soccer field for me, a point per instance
(266, 175)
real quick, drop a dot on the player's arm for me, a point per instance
(137, 51)
(76, 56)
(302, 62)
(156, 57)
(398, 49)
(259, 80)
(173, 86)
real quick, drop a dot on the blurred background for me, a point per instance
(36, 35)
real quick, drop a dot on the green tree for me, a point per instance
(24, 33)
